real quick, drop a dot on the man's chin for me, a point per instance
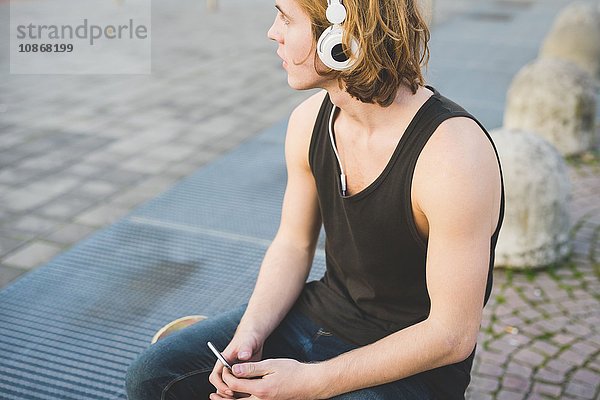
(301, 85)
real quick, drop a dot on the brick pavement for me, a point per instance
(78, 152)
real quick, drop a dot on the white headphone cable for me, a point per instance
(342, 175)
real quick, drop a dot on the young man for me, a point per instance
(409, 188)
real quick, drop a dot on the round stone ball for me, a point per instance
(575, 36)
(535, 230)
(557, 100)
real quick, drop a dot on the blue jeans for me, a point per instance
(178, 366)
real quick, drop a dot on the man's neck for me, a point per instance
(373, 119)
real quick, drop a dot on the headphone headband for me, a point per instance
(336, 12)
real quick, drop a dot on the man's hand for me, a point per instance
(245, 346)
(279, 379)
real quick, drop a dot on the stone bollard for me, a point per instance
(535, 231)
(575, 36)
(555, 99)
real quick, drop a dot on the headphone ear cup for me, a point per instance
(331, 50)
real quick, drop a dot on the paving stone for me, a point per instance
(5, 189)
(545, 348)
(529, 314)
(16, 176)
(547, 389)
(10, 141)
(38, 193)
(103, 157)
(66, 207)
(85, 169)
(563, 338)
(517, 369)
(509, 395)
(536, 396)
(518, 340)
(132, 197)
(32, 224)
(8, 244)
(587, 377)
(493, 357)
(101, 215)
(171, 152)
(502, 347)
(156, 185)
(475, 395)
(550, 375)
(594, 340)
(11, 157)
(584, 348)
(529, 357)
(559, 366)
(9, 274)
(553, 324)
(120, 176)
(129, 147)
(580, 390)
(182, 169)
(46, 162)
(491, 370)
(532, 294)
(69, 234)
(97, 189)
(533, 331)
(572, 358)
(6, 216)
(515, 383)
(484, 384)
(550, 308)
(515, 299)
(32, 255)
(156, 134)
(512, 320)
(145, 165)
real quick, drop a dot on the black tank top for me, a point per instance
(374, 284)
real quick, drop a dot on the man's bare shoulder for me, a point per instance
(458, 163)
(300, 128)
(459, 142)
(306, 112)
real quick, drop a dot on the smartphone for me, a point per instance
(219, 355)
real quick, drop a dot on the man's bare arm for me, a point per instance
(287, 262)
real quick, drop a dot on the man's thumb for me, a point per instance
(247, 370)
(244, 354)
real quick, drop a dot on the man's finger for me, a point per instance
(215, 396)
(251, 370)
(242, 385)
(245, 353)
(216, 379)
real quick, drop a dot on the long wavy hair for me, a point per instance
(393, 37)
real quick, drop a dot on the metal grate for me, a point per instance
(69, 329)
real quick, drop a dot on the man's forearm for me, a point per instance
(281, 278)
(418, 348)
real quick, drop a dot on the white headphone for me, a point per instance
(329, 46)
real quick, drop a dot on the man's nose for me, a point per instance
(273, 33)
